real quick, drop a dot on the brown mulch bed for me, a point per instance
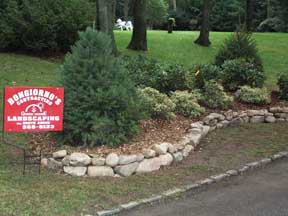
(151, 132)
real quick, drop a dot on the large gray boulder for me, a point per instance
(126, 170)
(98, 161)
(53, 164)
(100, 171)
(59, 154)
(127, 159)
(79, 159)
(149, 165)
(75, 171)
(149, 153)
(166, 159)
(257, 119)
(161, 149)
(112, 160)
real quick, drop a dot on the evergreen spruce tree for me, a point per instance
(101, 105)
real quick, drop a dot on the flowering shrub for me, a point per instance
(215, 97)
(258, 96)
(157, 105)
(186, 104)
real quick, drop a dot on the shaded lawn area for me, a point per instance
(53, 194)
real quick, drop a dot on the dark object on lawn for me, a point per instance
(171, 25)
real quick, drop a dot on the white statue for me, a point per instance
(124, 25)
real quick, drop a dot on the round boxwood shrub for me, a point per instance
(239, 45)
(214, 96)
(101, 101)
(186, 104)
(239, 72)
(283, 85)
(157, 105)
(148, 72)
(204, 73)
(258, 96)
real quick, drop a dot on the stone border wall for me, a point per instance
(163, 154)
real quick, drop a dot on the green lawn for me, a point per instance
(53, 194)
(179, 48)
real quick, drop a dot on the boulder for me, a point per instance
(229, 115)
(252, 113)
(187, 150)
(198, 124)
(100, 171)
(257, 119)
(149, 165)
(149, 153)
(236, 122)
(66, 160)
(98, 161)
(270, 119)
(75, 171)
(79, 159)
(126, 170)
(281, 115)
(225, 123)
(166, 159)
(140, 157)
(178, 156)
(127, 159)
(112, 160)
(205, 131)
(171, 148)
(44, 162)
(53, 164)
(59, 154)
(161, 149)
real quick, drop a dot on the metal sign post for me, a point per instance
(31, 109)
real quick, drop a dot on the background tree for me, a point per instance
(105, 19)
(203, 38)
(139, 36)
(156, 12)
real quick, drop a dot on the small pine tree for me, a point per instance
(239, 45)
(101, 103)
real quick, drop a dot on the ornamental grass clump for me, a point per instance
(214, 96)
(186, 104)
(101, 102)
(157, 105)
(257, 96)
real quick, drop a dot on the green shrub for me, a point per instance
(148, 72)
(258, 96)
(272, 25)
(204, 73)
(143, 71)
(283, 85)
(239, 45)
(101, 101)
(186, 104)
(156, 104)
(37, 25)
(172, 78)
(239, 72)
(215, 97)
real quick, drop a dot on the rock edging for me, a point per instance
(159, 155)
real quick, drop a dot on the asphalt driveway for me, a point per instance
(261, 193)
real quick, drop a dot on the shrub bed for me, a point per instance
(256, 96)
(283, 85)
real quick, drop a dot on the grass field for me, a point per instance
(53, 194)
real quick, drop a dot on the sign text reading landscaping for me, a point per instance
(29, 109)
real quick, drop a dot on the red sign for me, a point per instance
(33, 109)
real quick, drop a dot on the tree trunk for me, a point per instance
(105, 21)
(203, 38)
(114, 7)
(174, 4)
(139, 36)
(249, 8)
(126, 10)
